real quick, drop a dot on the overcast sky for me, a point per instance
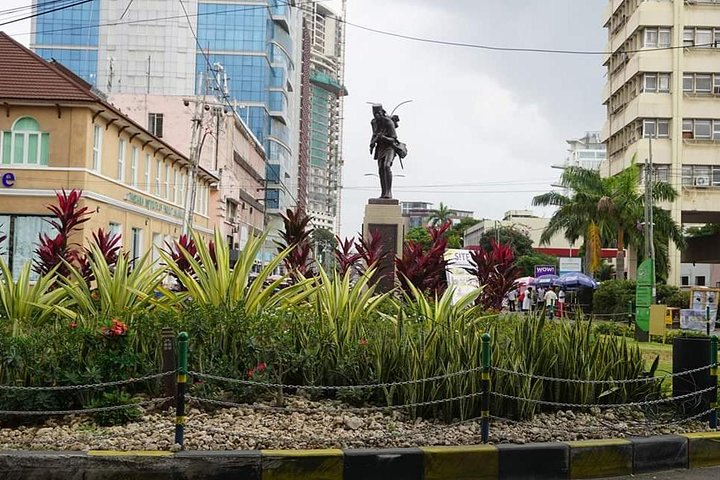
(484, 127)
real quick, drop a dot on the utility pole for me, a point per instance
(649, 225)
(196, 141)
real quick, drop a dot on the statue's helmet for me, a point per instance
(377, 108)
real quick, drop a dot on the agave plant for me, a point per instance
(22, 301)
(121, 292)
(210, 278)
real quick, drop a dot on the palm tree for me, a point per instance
(440, 216)
(601, 209)
(577, 214)
(624, 207)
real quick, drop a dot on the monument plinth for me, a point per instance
(384, 216)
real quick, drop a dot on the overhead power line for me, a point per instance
(450, 43)
(45, 12)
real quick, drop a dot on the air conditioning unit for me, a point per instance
(702, 181)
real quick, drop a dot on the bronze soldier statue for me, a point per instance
(385, 144)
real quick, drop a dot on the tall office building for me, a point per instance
(663, 82)
(166, 47)
(324, 103)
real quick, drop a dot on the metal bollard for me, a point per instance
(707, 319)
(181, 388)
(630, 313)
(714, 381)
(485, 386)
(169, 364)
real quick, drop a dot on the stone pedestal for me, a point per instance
(385, 217)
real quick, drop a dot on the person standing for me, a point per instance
(561, 302)
(527, 300)
(512, 299)
(550, 300)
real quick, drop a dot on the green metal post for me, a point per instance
(182, 375)
(714, 381)
(485, 386)
(707, 319)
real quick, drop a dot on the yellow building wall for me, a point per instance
(108, 200)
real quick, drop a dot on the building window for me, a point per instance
(158, 174)
(656, 128)
(134, 167)
(656, 37)
(147, 172)
(702, 129)
(115, 229)
(230, 210)
(700, 280)
(155, 124)
(25, 144)
(183, 182)
(22, 240)
(175, 190)
(135, 245)
(685, 281)
(97, 148)
(701, 37)
(656, 82)
(121, 161)
(167, 181)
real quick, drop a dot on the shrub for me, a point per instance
(672, 296)
(121, 416)
(612, 296)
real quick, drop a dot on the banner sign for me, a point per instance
(459, 273)
(544, 270)
(695, 320)
(570, 264)
(644, 294)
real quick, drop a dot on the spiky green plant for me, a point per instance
(121, 291)
(22, 302)
(210, 279)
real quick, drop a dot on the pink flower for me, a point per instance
(261, 367)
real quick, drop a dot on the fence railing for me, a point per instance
(183, 398)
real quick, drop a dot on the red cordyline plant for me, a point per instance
(345, 258)
(296, 234)
(175, 251)
(52, 252)
(109, 246)
(424, 269)
(2, 239)
(496, 272)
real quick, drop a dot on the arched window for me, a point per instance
(25, 144)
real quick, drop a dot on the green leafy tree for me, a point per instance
(520, 243)
(323, 244)
(420, 236)
(440, 215)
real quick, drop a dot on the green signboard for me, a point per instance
(644, 294)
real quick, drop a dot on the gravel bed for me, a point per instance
(326, 424)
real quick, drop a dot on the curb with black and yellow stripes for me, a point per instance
(580, 459)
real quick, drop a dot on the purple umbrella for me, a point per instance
(544, 280)
(575, 280)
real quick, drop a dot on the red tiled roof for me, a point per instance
(24, 75)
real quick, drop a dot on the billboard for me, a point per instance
(459, 272)
(544, 270)
(570, 264)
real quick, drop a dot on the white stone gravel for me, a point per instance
(325, 424)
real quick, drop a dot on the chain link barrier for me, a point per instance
(60, 388)
(369, 386)
(85, 410)
(223, 403)
(603, 405)
(604, 382)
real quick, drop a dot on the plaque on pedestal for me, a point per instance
(384, 216)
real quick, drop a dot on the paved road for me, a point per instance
(694, 474)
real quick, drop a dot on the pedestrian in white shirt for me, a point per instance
(550, 299)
